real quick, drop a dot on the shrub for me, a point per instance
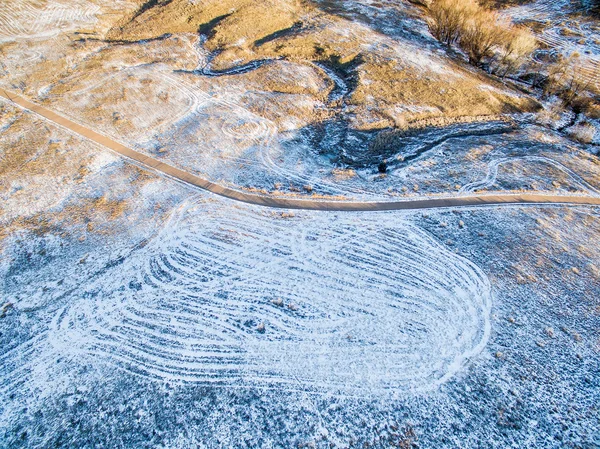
(481, 33)
(518, 44)
(567, 80)
(582, 132)
(448, 17)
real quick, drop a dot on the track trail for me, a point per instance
(304, 204)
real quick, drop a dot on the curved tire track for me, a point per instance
(494, 165)
(345, 306)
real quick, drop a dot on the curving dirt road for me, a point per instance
(306, 204)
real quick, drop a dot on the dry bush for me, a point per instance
(567, 81)
(481, 33)
(448, 18)
(517, 47)
(583, 132)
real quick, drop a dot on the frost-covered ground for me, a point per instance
(231, 294)
(175, 118)
(136, 312)
(241, 326)
(43, 19)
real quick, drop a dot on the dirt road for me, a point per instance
(306, 204)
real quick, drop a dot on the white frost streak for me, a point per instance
(37, 18)
(368, 303)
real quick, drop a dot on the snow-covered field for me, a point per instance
(136, 312)
(243, 326)
(236, 295)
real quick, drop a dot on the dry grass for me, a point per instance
(385, 84)
(388, 90)
(478, 153)
(289, 78)
(78, 63)
(342, 174)
(227, 22)
(44, 175)
(582, 132)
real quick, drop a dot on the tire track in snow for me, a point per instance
(553, 14)
(249, 126)
(542, 10)
(366, 305)
(38, 18)
(493, 166)
(193, 100)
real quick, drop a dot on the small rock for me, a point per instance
(499, 355)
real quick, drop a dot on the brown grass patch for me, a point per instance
(386, 90)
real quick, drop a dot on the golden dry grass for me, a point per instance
(385, 84)
(239, 22)
(390, 91)
(43, 174)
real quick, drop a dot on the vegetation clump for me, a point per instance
(568, 80)
(488, 40)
